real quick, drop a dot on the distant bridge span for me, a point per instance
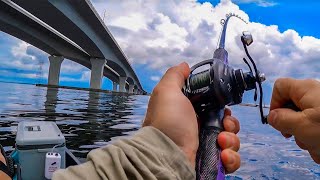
(70, 29)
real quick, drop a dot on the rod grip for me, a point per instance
(208, 161)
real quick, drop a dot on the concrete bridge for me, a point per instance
(70, 29)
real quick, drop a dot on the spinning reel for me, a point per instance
(210, 91)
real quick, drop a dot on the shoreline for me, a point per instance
(87, 89)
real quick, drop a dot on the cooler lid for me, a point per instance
(38, 133)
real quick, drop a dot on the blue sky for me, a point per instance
(285, 32)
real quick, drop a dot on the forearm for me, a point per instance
(147, 155)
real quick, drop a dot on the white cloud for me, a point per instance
(34, 75)
(70, 79)
(155, 78)
(85, 76)
(164, 33)
(135, 21)
(171, 35)
(71, 67)
(262, 3)
(169, 32)
(26, 57)
(20, 50)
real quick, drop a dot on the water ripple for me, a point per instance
(91, 120)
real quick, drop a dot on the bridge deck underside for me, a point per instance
(78, 20)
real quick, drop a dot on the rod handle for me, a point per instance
(208, 161)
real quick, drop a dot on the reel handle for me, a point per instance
(288, 105)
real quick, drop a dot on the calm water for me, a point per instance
(91, 120)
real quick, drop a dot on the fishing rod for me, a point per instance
(210, 91)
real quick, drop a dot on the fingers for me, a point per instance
(291, 90)
(230, 160)
(300, 144)
(227, 112)
(176, 75)
(286, 135)
(2, 159)
(286, 120)
(282, 92)
(231, 124)
(227, 140)
(230, 143)
(315, 156)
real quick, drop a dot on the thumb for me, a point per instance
(176, 75)
(286, 120)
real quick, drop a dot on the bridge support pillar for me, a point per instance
(54, 69)
(97, 66)
(127, 87)
(135, 91)
(122, 84)
(131, 88)
(114, 86)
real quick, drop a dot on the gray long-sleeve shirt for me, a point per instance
(149, 154)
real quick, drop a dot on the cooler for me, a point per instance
(34, 139)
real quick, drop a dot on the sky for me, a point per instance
(158, 34)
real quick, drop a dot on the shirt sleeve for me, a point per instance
(149, 154)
